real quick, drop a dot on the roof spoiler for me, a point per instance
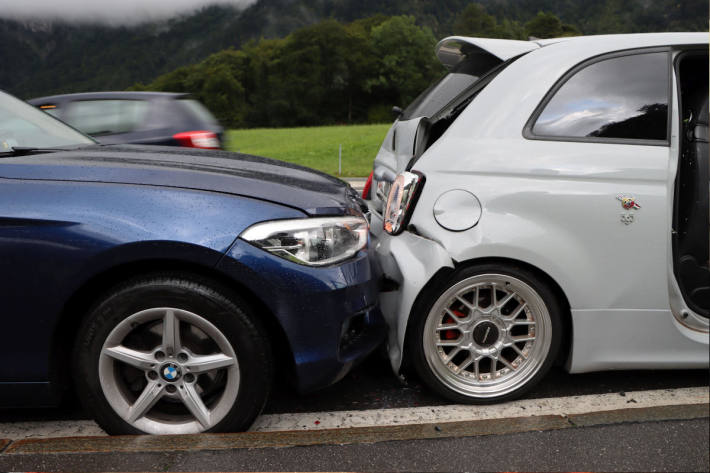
(452, 50)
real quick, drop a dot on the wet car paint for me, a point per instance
(70, 218)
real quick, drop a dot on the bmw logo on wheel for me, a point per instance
(170, 372)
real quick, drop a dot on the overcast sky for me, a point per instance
(105, 11)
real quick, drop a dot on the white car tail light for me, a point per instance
(401, 201)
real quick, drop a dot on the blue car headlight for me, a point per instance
(310, 241)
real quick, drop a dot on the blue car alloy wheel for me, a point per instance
(173, 353)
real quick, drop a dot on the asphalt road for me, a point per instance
(373, 386)
(637, 441)
(680, 445)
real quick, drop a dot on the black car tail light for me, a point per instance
(198, 139)
(368, 186)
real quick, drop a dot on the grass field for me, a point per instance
(315, 147)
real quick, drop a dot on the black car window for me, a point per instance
(438, 95)
(623, 97)
(197, 111)
(106, 117)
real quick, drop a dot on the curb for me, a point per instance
(251, 440)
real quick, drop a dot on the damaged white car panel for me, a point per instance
(590, 223)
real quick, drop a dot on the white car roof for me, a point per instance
(452, 50)
(503, 107)
(626, 41)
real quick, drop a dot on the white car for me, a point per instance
(547, 202)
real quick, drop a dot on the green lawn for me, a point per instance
(315, 147)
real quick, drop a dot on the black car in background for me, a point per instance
(156, 118)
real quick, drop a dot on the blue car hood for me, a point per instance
(311, 191)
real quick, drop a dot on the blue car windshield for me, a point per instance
(23, 126)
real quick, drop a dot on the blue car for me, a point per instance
(167, 287)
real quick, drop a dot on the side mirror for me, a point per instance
(397, 112)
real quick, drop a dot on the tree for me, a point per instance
(474, 21)
(406, 64)
(319, 72)
(547, 25)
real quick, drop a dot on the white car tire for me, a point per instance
(486, 334)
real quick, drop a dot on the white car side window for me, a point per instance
(622, 97)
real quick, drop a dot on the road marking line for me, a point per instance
(49, 429)
(561, 406)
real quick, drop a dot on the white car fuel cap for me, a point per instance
(457, 210)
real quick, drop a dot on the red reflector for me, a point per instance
(366, 189)
(198, 139)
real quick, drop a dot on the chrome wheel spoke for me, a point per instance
(467, 362)
(448, 327)
(443, 327)
(453, 353)
(171, 333)
(516, 313)
(457, 319)
(448, 343)
(201, 364)
(138, 359)
(518, 350)
(506, 363)
(522, 338)
(150, 395)
(466, 303)
(506, 300)
(192, 400)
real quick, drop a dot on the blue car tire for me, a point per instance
(172, 353)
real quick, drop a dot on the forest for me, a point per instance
(298, 62)
(331, 72)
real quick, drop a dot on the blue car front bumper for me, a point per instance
(330, 315)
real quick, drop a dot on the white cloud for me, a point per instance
(105, 11)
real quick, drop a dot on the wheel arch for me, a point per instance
(65, 334)
(442, 275)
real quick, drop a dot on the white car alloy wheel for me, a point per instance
(184, 391)
(487, 337)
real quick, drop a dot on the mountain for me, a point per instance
(43, 57)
